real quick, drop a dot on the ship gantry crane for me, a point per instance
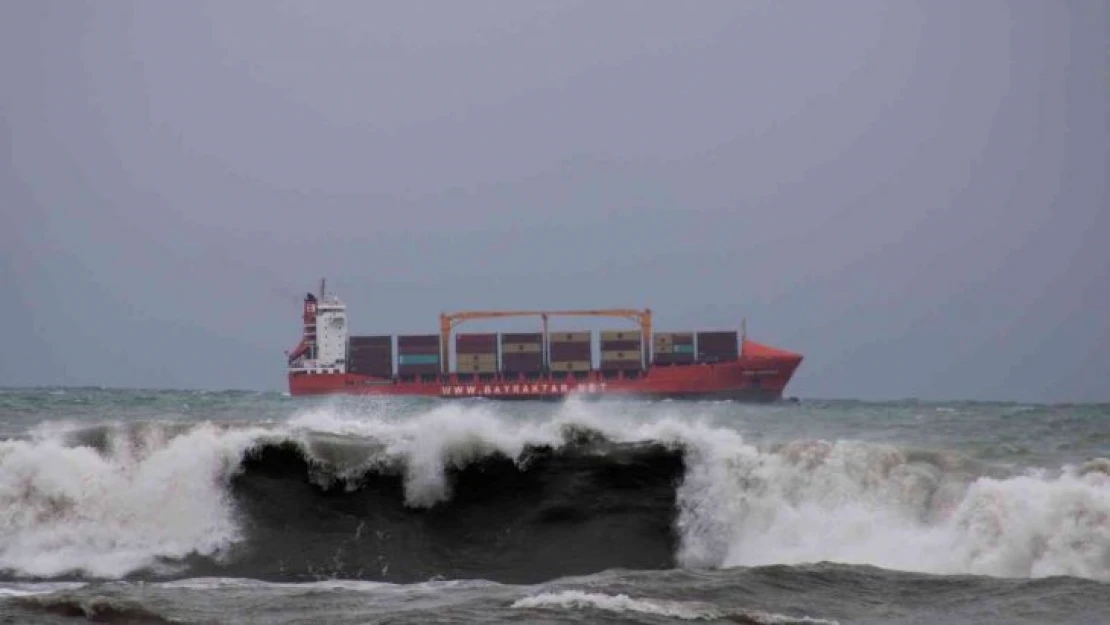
(448, 322)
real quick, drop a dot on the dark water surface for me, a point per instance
(188, 507)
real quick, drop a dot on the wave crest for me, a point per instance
(464, 490)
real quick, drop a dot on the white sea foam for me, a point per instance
(682, 610)
(620, 603)
(870, 504)
(36, 588)
(156, 494)
(809, 501)
(72, 509)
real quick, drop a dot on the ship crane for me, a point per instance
(449, 321)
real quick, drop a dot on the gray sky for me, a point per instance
(912, 194)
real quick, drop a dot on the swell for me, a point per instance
(812, 594)
(96, 609)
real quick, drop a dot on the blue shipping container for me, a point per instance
(418, 359)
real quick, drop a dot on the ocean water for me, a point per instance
(191, 507)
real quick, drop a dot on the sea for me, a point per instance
(156, 507)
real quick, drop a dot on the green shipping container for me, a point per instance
(683, 349)
(418, 359)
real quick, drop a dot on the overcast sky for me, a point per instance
(912, 194)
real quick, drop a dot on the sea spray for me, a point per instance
(863, 503)
(355, 489)
(76, 509)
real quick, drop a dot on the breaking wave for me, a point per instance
(462, 491)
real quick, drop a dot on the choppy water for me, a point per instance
(183, 507)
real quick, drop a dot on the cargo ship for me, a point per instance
(636, 362)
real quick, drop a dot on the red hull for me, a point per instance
(761, 374)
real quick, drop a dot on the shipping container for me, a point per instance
(383, 369)
(419, 349)
(521, 337)
(476, 349)
(718, 355)
(674, 338)
(370, 349)
(376, 364)
(666, 348)
(369, 356)
(521, 348)
(573, 345)
(513, 374)
(717, 348)
(356, 341)
(673, 359)
(377, 373)
(474, 367)
(513, 371)
(620, 355)
(724, 348)
(621, 365)
(374, 373)
(482, 338)
(621, 335)
(476, 358)
(569, 337)
(413, 340)
(717, 338)
(625, 345)
(475, 343)
(570, 351)
(521, 362)
(571, 365)
(418, 359)
(385, 341)
(716, 358)
(417, 369)
(522, 357)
